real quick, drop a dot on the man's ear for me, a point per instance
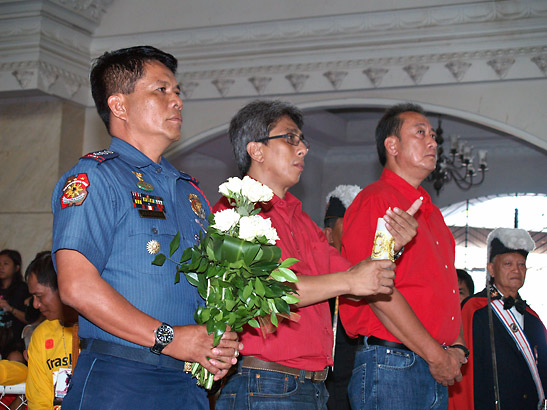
(254, 149)
(328, 234)
(490, 269)
(116, 103)
(391, 144)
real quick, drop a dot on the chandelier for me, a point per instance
(459, 165)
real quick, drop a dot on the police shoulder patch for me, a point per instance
(101, 156)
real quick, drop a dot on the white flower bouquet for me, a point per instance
(237, 268)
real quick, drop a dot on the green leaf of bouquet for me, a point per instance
(230, 303)
(186, 255)
(177, 277)
(270, 253)
(247, 292)
(159, 260)
(284, 275)
(210, 326)
(282, 306)
(174, 245)
(288, 274)
(263, 267)
(220, 328)
(254, 323)
(273, 318)
(192, 278)
(255, 211)
(205, 315)
(290, 299)
(288, 262)
(238, 282)
(259, 287)
(272, 290)
(203, 264)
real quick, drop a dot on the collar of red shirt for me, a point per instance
(407, 190)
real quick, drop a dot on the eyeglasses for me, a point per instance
(291, 139)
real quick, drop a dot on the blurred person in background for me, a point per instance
(13, 292)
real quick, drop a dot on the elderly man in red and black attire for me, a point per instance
(287, 368)
(412, 337)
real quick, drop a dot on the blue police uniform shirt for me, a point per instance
(97, 207)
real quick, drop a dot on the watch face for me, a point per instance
(164, 334)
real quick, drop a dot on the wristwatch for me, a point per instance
(164, 335)
(464, 349)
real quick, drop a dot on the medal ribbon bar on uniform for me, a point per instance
(510, 323)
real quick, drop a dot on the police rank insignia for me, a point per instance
(149, 206)
(74, 191)
(195, 203)
(145, 186)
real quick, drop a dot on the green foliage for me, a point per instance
(240, 281)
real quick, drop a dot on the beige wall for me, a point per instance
(40, 138)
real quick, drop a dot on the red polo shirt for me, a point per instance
(306, 344)
(425, 274)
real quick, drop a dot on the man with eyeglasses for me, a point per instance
(287, 369)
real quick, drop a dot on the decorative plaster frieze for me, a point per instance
(47, 78)
(375, 74)
(297, 80)
(501, 65)
(426, 59)
(187, 88)
(416, 72)
(541, 62)
(93, 9)
(458, 68)
(335, 78)
(223, 85)
(363, 28)
(23, 77)
(260, 83)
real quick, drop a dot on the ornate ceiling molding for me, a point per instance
(399, 48)
(45, 46)
(92, 9)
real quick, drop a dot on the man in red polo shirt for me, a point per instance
(412, 337)
(287, 368)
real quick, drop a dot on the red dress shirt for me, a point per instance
(306, 344)
(425, 273)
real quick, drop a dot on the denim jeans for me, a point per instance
(386, 378)
(263, 389)
(105, 382)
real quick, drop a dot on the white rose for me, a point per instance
(233, 185)
(226, 220)
(251, 227)
(255, 191)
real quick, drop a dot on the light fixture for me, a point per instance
(460, 165)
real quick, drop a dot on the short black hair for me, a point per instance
(254, 122)
(118, 71)
(42, 268)
(466, 278)
(15, 256)
(390, 124)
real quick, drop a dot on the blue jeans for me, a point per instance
(263, 389)
(391, 379)
(105, 382)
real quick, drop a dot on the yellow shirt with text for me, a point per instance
(48, 353)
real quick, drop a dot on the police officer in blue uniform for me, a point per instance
(113, 212)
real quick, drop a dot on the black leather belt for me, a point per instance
(251, 362)
(375, 341)
(133, 354)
